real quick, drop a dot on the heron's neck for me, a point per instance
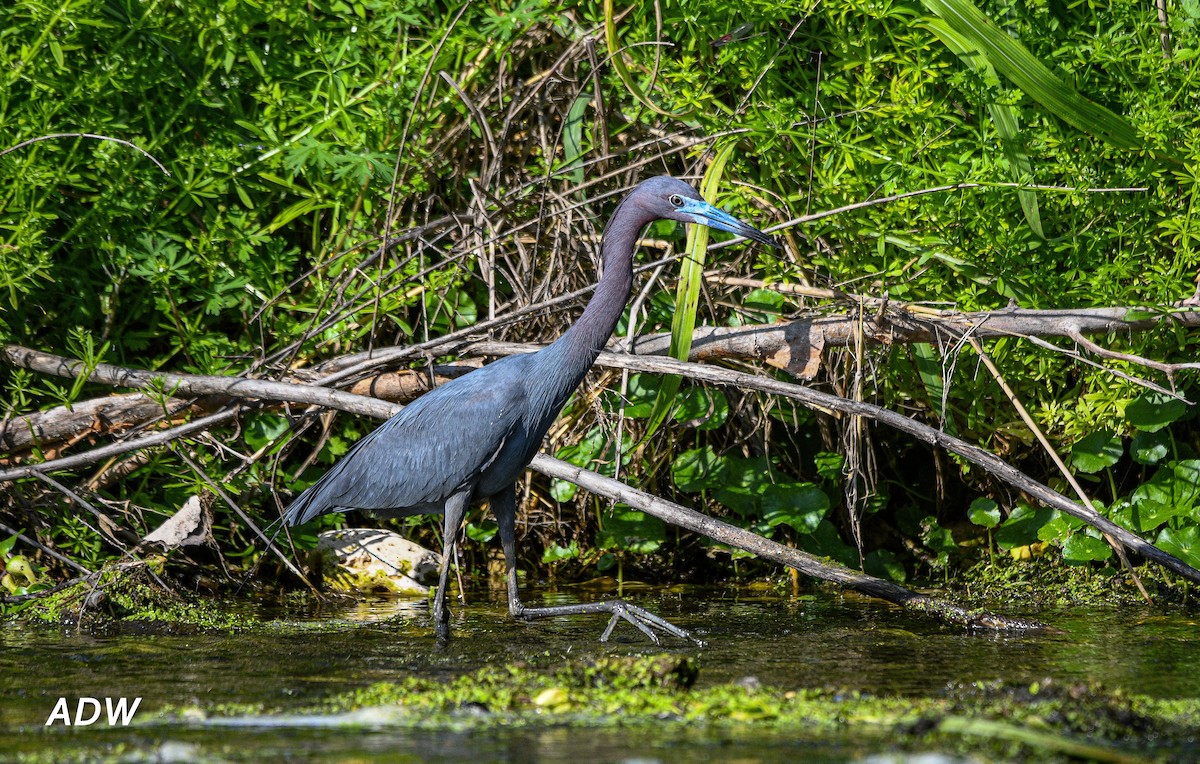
(580, 345)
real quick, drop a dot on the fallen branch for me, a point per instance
(792, 346)
(808, 564)
(300, 393)
(827, 402)
(665, 510)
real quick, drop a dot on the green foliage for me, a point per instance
(297, 136)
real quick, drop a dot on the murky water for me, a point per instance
(819, 641)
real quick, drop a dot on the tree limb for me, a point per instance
(371, 407)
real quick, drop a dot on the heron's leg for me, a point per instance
(504, 504)
(456, 507)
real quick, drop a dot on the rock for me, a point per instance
(373, 560)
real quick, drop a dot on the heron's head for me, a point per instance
(671, 198)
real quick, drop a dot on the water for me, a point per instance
(822, 641)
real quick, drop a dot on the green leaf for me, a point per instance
(631, 530)
(983, 511)
(702, 408)
(1023, 69)
(829, 465)
(1060, 527)
(556, 553)
(1183, 543)
(1173, 490)
(562, 491)
(482, 532)
(1150, 447)
(799, 505)
(883, 563)
(1022, 526)
(826, 542)
(697, 470)
(1151, 412)
(1097, 451)
(262, 429)
(1083, 548)
(573, 139)
(937, 539)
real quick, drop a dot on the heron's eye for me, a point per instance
(676, 200)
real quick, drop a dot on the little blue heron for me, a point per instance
(471, 438)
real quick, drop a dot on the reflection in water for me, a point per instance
(823, 641)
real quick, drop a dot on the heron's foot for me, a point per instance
(646, 622)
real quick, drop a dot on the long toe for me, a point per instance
(645, 621)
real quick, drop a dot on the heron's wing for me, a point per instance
(438, 444)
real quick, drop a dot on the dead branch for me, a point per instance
(820, 401)
(792, 346)
(57, 428)
(808, 564)
(701, 372)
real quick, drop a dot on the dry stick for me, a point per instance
(39, 545)
(599, 484)
(1053, 452)
(705, 373)
(804, 562)
(827, 402)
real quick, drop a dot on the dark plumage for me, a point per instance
(471, 439)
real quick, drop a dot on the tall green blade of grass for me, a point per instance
(1004, 116)
(687, 296)
(1024, 70)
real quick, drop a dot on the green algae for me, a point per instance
(129, 596)
(1042, 720)
(1050, 582)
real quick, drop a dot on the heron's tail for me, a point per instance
(311, 503)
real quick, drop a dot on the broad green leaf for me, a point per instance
(1022, 526)
(1151, 412)
(1183, 543)
(1081, 547)
(562, 491)
(1173, 490)
(1097, 451)
(937, 539)
(1150, 447)
(1059, 527)
(557, 553)
(799, 505)
(826, 542)
(829, 465)
(1014, 61)
(704, 408)
(482, 532)
(264, 428)
(883, 563)
(623, 527)
(983, 511)
(697, 469)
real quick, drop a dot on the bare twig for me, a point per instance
(55, 136)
